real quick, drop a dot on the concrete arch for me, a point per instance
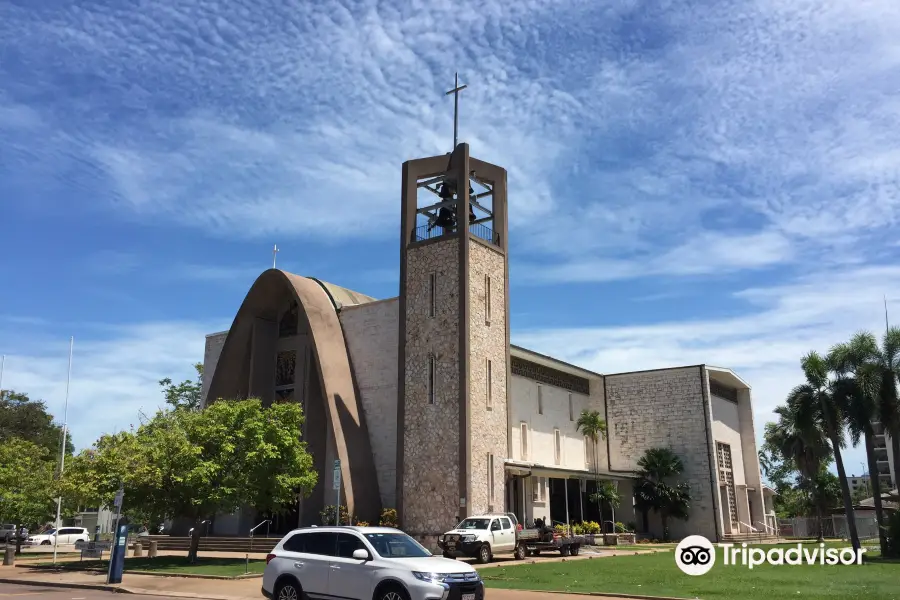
(238, 368)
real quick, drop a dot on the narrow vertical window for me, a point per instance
(490, 477)
(432, 293)
(557, 442)
(431, 393)
(540, 399)
(487, 299)
(487, 384)
(587, 451)
(524, 443)
(571, 408)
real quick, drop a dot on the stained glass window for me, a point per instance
(285, 368)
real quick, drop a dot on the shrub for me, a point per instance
(560, 529)
(892, 531)
(328, 514)
(620, 527)
(631, 526)
(388, 518)
(591, 527)
(578, 529)
(362, 523)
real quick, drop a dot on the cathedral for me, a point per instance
(424, 406)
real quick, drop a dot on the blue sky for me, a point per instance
(689, 181)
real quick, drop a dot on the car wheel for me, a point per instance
(520, 552)
(45, 543)
(574, 550)
(288, 590)
(392, 592)
(564, 551)
(484, 554)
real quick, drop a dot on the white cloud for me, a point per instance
(763, 346)
(115, 371)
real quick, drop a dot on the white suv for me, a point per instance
(364, 563)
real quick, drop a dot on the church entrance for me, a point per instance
(282, 522)
(558, 495)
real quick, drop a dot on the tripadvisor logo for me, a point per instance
(695, 555)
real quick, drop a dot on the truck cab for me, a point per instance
(480, 536)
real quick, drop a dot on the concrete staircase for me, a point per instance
(211, 543)
(750, 538)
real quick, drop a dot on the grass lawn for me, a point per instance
(176, 564)
(657, 575)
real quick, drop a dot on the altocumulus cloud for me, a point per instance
(645, 139)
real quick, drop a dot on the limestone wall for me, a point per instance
(666, 408)
(430, 431)
(488, 426)
(371, 333)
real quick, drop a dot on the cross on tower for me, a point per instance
(455, 91)
(274, 255)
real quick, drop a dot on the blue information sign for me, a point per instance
(117, 558)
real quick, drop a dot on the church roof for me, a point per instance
(341, 296)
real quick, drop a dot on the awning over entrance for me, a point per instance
(521, 468)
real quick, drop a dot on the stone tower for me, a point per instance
(454, 342)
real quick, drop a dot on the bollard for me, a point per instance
(154, 551)
(137, 549)
(9, 556)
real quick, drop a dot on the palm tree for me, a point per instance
(593, 427)
(652, 492)
(799, 442)
(826, 414)
(606, 492)
(856, 390)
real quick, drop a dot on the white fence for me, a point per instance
(834, 526)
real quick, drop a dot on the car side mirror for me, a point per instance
(361, 554)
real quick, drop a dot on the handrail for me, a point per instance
(750, 527)
(254, 529)
(260, 525)
(768, 527)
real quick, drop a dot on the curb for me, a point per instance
(114, 588)
(150, 573)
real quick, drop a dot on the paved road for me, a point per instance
(33, 592)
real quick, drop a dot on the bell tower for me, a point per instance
(454, 342)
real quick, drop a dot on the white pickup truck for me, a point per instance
(481, 536)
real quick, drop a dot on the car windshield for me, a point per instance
(49, 532)
(474, 524)
(396, 545)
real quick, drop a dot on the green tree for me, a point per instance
(828, 415)
(185, 395)
(856, 390)
(28, 485)
(27, 419)
(654, 492)
(799, 441)
(609, 493)
(593, 427)
(194, 464)
(887, 364)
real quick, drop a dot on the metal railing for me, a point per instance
(768, 528)
(479, 230)
(253, 531)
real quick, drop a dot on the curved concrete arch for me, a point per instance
(231, 378)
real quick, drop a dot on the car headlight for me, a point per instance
(430, 577)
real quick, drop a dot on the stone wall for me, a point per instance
(371, 333)
(488, 425)
(430, 477)
(665, 408)
(214, 344)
